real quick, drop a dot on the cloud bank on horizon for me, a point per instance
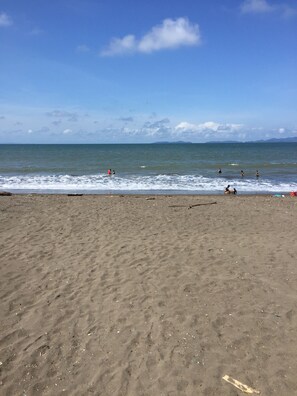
(233, 87)
(66, 126)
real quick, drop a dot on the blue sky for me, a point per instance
(138, 71)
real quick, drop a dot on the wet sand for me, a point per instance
(142, 295)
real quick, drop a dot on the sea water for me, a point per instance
(149, 168)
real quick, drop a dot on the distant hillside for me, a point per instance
(179, 142)
(224, 141)
(292, 139)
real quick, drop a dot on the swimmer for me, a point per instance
(227, 189)
(242, 173)
(257, 174)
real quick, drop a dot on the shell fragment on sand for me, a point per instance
(244, 388)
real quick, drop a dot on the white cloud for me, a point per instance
(210, 130)
(263, 6)
(5, 20)
(36, 32)
(155, 130)
(126, 119)
(73, 117)
(288, 12)
(82, 48)
(67, 131)
(120, 46)
(256, 6)
(208, 127)
(30, 131)
(170, 34)
(285, 131)
(185, 126)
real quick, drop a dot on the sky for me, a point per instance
(138, 71)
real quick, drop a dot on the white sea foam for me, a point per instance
(157, 183)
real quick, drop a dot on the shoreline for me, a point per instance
(91, 194)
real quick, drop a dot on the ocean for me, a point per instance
(149, 168)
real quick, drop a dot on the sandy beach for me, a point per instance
(147, 295)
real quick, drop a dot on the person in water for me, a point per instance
(242, 173)
(113, 172)
(109, 172)
(227, 189)
(257, 174)
(220, 170)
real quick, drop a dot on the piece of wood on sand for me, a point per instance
(192, 206)
(239, 385)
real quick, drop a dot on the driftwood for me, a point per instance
(239, 385)
(75, 195)
(191, 206)
(5, 193)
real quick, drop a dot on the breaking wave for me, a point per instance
(102, 184)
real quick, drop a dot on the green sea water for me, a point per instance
(149, 168)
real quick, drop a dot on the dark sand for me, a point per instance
(133, 295)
